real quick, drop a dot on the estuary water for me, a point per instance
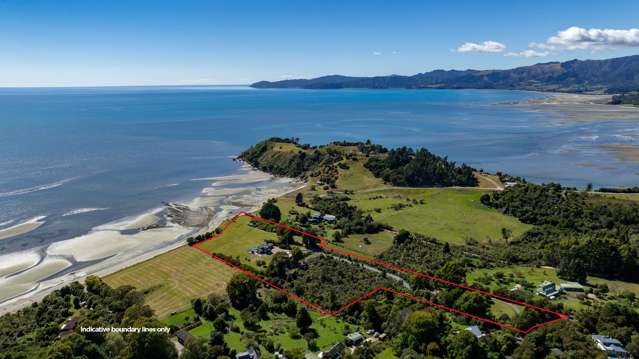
(77, 158)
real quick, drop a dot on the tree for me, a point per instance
(270, 211)
(197, 305)
(242, 291)
(303, 319)
(155, 345)
(196, 348)
(421, 328)
(473, 303)
(372, 316)
(572, 269)
(299, 199)
(402, 237)
(454, 270)
(464, 345)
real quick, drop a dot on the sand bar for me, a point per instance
(22, 228)
(580, 107)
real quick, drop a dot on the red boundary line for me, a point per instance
(560, 316)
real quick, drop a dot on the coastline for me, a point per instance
(113, 246)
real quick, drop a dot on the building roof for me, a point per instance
(355, 336)
(183, 335)
(571, 285)
(70, 324)
(250, 353)
(608, 344)
(475, 330)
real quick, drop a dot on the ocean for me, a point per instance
(78, 158)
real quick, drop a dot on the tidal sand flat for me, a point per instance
(29, 279)
(16, 262)
(579, 107)
(625, 152)
(22, 228)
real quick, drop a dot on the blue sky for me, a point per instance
(90, 42)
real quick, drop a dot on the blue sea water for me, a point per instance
(126, 150)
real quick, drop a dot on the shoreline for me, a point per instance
(105, 250)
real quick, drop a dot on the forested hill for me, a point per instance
(400, 167)
(615, 75)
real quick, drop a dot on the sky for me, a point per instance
(129, 42)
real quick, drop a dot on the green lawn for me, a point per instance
(448, 214)
(357, 177)
(179, 318)
(386, 354)
(379, 242)
(238, 239)
(500, 307)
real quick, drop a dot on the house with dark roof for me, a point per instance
(549, 290)
(183, 336)
(612, 347)
(69, 327)
(335, 352)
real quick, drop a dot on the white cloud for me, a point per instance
(395, 52)
(287, 77)
(577, 38)
(486, 46)
(528, 53)
(377, 53)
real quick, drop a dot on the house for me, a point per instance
(335, 352)
(329, 218)
(611, 346)
(69, 327)
(476, 331)
(250, 353)
(571, 287)
(354, 339)
(318, 218)
(315, 218)
(509, 184)
(548, 290)
(263, 249)
(279, 355)
(183, 336)
(516, 288)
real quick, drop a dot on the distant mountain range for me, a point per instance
(616, 75)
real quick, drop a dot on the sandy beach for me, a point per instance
(28, 276)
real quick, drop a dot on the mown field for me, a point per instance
(453, 215)
(170, 280)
